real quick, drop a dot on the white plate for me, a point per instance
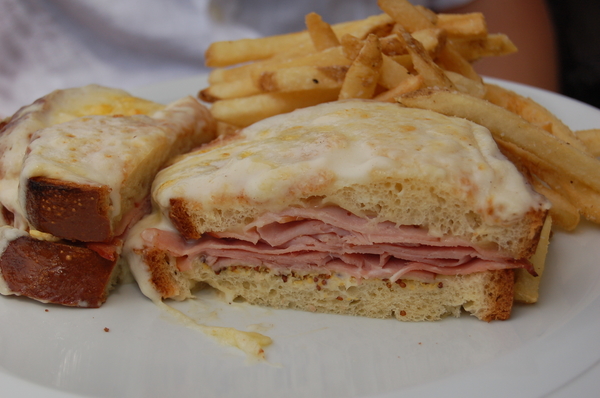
(552, 347)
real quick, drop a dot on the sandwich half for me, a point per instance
(76, 168)
(350, 207)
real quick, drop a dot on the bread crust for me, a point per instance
(56, 272)
(69, 210)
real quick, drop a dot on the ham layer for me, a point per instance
(332, 240)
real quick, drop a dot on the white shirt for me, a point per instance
(52, 44)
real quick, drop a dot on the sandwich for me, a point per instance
(349, 207)
(76, 168)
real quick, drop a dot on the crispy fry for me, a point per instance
(362, 77)
(433, 40)
(406, 14)
(470, 25)
(321, 33)
(450, 59)
(242, 112)
(564, 159)
(392, 73)
(591, 140)
(492, 45)
(410, 84)
(433, 75)
(466, 85)
(226, 53)
(330, 57)
(564, 213)
(532, 112)
(303, 78)
(234, 89)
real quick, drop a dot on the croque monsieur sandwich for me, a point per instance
(349, 207)
(75, 173)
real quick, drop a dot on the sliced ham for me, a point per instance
(330, 240)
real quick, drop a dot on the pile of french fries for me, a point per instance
(420, 59)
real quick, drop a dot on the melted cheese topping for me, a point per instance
(252, 343)
(57, 107)
(353, 142)
(94, 150)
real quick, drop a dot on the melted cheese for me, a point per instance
(353, 142)
(93, 150)
(252, 343)
(57, 107)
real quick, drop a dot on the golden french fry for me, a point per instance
(466, 85)
(391, 73)
(450, 59)
(330, 57)
(242, 112)
(428, 13)
(410, 84)
(233, 89)
(226, 53)
(526, 285)
(562, 158)
(433, 40)
(492, 45)
(433, 75)
(407, 15)
(320, 32)
(591, 140)
(301, 78)
(564, 213)
(471, 25)
(362, 77)
(533, 112)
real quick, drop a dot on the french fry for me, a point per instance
(406, 14)
(330, 57)
(433, 75)
(564, 159)
(320, 32)
(493, 45)
(466, 85)
(392, 73)
(226, 53)
(591, 140)
(471, 25)
(433, 40)
(225, 90)
(450, 59)
(362, 77)
(410, 84)
(301, 78)
(532, 112)
(242, 112)
(563, 212)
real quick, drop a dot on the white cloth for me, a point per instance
(52, 44)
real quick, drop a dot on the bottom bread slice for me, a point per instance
(57, 272)
(487, 295)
